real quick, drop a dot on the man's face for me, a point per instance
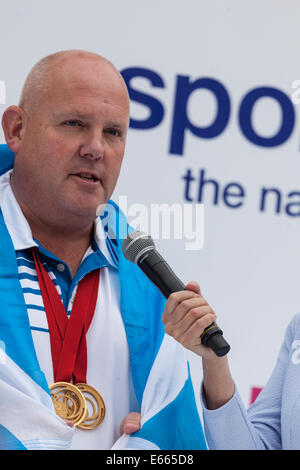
(73, 145)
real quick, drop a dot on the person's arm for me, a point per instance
(218, 385)
(228, 425)
(186, 316)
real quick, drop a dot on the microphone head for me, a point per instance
(136, 244)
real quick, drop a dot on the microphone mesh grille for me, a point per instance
(134, 244)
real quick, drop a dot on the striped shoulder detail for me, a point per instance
(32, 292)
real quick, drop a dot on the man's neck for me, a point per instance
(68, 241)
(69, 249)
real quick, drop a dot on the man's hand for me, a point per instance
(130, 424)
(186, 316)
(69, 423)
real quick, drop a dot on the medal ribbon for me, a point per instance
(68, 335)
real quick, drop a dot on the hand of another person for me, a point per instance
(186, 316)
(131, 423)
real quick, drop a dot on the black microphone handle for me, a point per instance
(160, 273)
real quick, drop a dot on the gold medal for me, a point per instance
(95, 407)
(80, 403)
(69, 403)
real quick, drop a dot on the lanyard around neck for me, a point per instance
(68, 335)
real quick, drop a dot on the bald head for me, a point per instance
(44, 74)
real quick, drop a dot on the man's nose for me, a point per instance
(93, 147)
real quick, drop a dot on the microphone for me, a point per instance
(139, 248)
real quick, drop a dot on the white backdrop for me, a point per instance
(248, 268)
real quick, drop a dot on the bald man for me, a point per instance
(87, 336)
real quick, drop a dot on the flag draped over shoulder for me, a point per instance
(27, 416)
(159, 369)
(164, 405)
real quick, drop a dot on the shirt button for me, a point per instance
(60, 267)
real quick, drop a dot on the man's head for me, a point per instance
(68, 134)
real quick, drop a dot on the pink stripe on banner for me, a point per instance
(255, 391)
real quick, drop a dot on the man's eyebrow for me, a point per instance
(115, 124)
(72, 113)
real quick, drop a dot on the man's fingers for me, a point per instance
(191, 336)
(183, 309)
(193, 286)
(174, 300)
(203, 316)
(187, 314)
(130, 424)
(69, 423)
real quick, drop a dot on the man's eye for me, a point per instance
(73, 123)
(113, 132)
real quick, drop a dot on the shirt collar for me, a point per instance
(16, 223)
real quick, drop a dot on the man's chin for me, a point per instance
(85, 213)
(88, 211)
(83, 207)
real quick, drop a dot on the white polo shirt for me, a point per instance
(108, 367)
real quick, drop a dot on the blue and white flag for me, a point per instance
(27, 416)
(163, 400)
(28, 419)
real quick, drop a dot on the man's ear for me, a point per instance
(13, 122)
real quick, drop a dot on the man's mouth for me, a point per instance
(87, 176)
